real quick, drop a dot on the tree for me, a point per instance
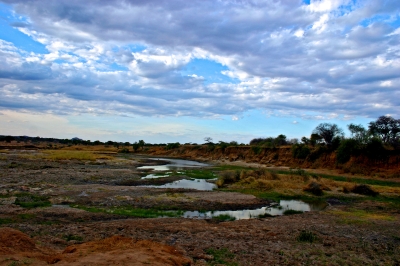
(280, 140)
(135, 146)
(315, 139)
(387, 129)
(208, 139)
(141, 143)
(358, 133)
(328, 132)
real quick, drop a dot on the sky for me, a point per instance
(179, 71)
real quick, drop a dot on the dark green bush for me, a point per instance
(300, 151)
(375, 150)
(26, 200)
(171, 146)
(347, 148)
(306, 236)
(256, 149)
(317, 153)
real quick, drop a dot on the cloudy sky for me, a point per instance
(178, 70)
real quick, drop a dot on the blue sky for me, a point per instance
(186, 70)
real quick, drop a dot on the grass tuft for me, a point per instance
(306, 236)
(224, 218)
(221, 257)
(133, 212)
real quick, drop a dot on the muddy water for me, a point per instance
(198, 184)
(271, 210)
(174, 164)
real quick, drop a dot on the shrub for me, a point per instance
(171, 146)
(124, 150)
(375, 149)
(306, 236)
(26, 200)
(364, 190)
(224, 218)
(318, 152)
(256, 149)
(314, 188)
(346, 148)
(300, 151)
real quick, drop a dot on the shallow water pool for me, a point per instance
(284, 205)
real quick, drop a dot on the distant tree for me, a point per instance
(359, 133)
(9, 139)
(305, 140)
(315, 139)
(141, 143)
(135, 146)
(387, 129)
(328, 132)
(208, 139)
(127, 143)
(280, 140)
(233, 143)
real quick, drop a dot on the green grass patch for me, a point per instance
(133, 212)
(265, 215)
(306, 236)
(6, 221)
(221, 257)
(26, 216)
(29, 201)
(198, 174)
(70, 237)
(224, 218)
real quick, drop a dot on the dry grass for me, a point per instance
(354, 215)
(56, 155)
(266, 180)
(91, 148)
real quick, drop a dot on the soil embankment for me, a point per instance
(282, 156)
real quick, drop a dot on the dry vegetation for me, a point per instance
(55, 155)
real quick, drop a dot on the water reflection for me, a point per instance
(284, 205)
(198, 184)
(151, 176)
(174, 164)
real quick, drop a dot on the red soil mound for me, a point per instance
(13, 241)
(117, 250)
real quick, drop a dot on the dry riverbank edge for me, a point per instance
(354, 233)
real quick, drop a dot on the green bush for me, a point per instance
(347, 148)
(26, 200)
(306, 236)
(256, 149)
(317, 153)
(300, 151)
(375, 150)
(224, 218)
(171, 146)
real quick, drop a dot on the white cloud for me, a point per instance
(280, 55)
